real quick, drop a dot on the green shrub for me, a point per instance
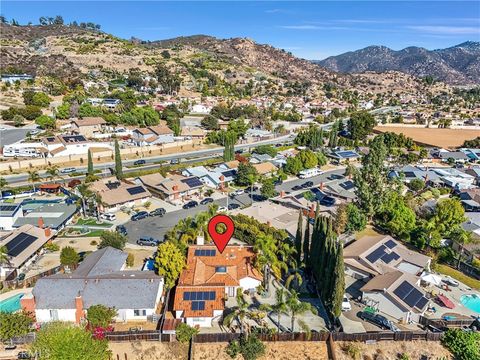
(184, 333)
(130, 259)
(353, 350)
(51, 247)
(250, 347)
(463, 345)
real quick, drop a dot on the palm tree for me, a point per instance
(297, 307)
(295, 279)
(280, 306)
(85, 194)
(251, 180)
(52, 172)
(239, 312)
(33, 177)
(266, 248)
(4, 255)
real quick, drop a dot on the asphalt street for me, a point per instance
(186, 157)
(156, 227)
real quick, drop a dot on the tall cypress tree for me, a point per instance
(314, 248)
(329, 267)
(338, 284)
(298, 238)
(90, 163)
(306, 243)
(118, 162)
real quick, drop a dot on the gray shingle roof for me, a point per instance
(99, 280)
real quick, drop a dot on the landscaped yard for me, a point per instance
(457, 275)
(93, 222)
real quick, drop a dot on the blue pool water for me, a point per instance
(471, 301)
(11, 304)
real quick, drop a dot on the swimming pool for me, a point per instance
(471, 301)
(11, 304)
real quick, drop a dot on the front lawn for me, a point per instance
(92, 222)
(458, 275)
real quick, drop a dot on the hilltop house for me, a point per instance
(88, 126)
(115, 194)
(172, 188)
(152, 135)
(209, 279)
(211, 178)
(65, 145)
(101, 279)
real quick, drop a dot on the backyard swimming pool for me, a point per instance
(11, 304)
(471, 301)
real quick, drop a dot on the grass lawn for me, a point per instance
(94, 233)
(457, 275)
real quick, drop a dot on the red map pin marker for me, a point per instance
(221, 240)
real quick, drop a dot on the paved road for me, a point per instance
(156, 227)
(186, 157)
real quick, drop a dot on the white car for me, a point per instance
(346, 306)
(222, 209)
(237, 192)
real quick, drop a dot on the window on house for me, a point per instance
(139, 312)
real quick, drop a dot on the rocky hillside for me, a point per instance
(205, 64)
(458, 65)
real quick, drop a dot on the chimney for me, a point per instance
(321, 186)
(312, 212)
(200, 240)
(48, 232)
(41, 224)
(79, 313)
(282, 194)
(175, 187)
(28, 303)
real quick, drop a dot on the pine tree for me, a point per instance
(298, 238)
(118, 162)
(306, 244)
(338, 284)
(90, 163)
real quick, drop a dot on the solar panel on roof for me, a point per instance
(376, 254)
(390, 244)
(136, 190)
(413, 297)
(7, 207)
(229, 173)
(403, 290)
(186, 295)
(347, 154)
(211, 295)
(387, 258)
(198, 305)
(19, 243)
(347, 185)
(204, 252)
(421, 303)
(193, 182)
(409, 174)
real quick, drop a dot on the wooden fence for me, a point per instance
(144, 335)
(445, 324)
(29, 282)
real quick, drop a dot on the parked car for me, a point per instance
(327, 201)
(251, 189)
(21, 277)
(222, 209)
(10, 347)
(174, 161)
(147, 241)
(278, 182)
(206, 201)
(379, 320)
(237, 192)
(233, 206)
(68, 170)
(122, 229)
(307, 184)
(449, 281)
(297, 187)
(108, 216)
(140, 215)
(23, 355)
(157, 212)
(139, 162)
(190, 204)
(346, 306)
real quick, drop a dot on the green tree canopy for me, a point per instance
(396, 216)
(448, 215)
(45, 122)
(360, 125)
(64, 341)
(69, 257)
(14, 324)
(100, 315)
(113, 239)
(169, 263)
(244, 171)
(268, 188)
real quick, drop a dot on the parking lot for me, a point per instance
(157, 226)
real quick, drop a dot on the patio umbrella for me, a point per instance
(431, 278)
(446, 301)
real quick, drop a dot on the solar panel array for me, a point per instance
(229, 173)
(8, 207)
(136, 190)
(390, 244)
(410, 295)
(198, 305)
(347, 185)
(204, 252)
(74, 138)
(112, 184)
(409, 174)
(19, 243)
(198, 295)
(192, 182)
(347, 154)
(381, 253)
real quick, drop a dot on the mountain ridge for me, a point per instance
(456, 65)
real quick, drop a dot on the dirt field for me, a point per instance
(147, 350)
(387, 350)
(282, 350)
(446, 138)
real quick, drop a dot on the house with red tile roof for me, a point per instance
(210, 278)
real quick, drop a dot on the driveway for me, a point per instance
(157, 227)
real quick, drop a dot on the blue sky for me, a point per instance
(311, 29)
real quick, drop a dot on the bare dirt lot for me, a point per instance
(147, 350)
(387, 350)
(282, 350)
(446, 138)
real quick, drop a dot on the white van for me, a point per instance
(308, 173)
(68, 170)
(109, 217)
